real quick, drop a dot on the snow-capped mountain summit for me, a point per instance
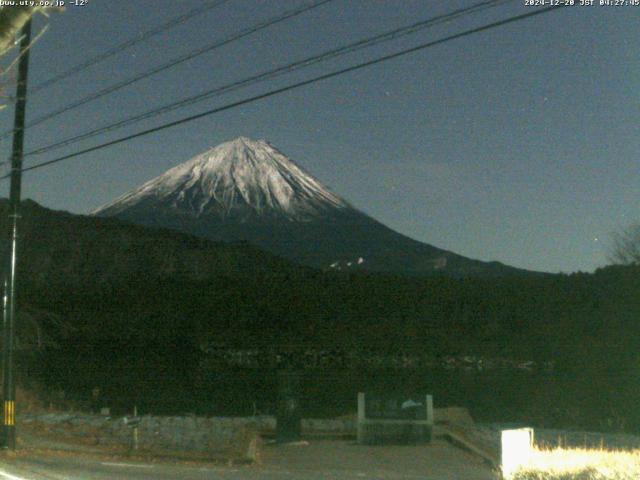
(236, 180)
(247, 190)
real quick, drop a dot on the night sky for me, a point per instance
(519, 144)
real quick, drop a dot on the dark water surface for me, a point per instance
(172, 382)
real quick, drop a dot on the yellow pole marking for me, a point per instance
(9, 412)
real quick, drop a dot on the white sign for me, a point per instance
(516, 447)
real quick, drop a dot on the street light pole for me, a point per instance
(8, 382)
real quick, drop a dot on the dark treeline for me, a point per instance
(586, 324)
(590, 317)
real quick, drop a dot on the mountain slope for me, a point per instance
(246, 190)
(59, 249)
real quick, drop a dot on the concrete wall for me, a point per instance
(387, 428)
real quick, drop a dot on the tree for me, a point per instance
(12, 19)
(626, 246)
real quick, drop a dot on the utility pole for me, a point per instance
(8, 383)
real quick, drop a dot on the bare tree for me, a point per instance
(626, 246)
(12, 19)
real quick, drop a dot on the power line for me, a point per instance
(306, 62)
(129, 43)
(293, 86)
(172, 63)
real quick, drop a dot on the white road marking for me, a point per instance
(11, 477)
(125, 465)
(220, 469)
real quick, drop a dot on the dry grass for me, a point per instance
(581, 464)
(28, 401)
(247, 446)
(37, 399)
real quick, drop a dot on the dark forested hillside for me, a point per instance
(59, 248)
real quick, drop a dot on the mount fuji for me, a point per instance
(247, 190)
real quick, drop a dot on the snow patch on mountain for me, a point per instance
(236, 178)
(337, 265)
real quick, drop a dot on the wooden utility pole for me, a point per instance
(8, 382)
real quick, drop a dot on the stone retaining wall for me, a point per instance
(187, 433)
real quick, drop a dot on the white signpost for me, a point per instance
(515, 450)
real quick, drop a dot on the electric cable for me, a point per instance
(172, 63)
(128, 43)
(290, 87)
(306, 62)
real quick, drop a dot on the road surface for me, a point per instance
(321, 460)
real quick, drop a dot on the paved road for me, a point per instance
(326, 460)
(51, 468)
